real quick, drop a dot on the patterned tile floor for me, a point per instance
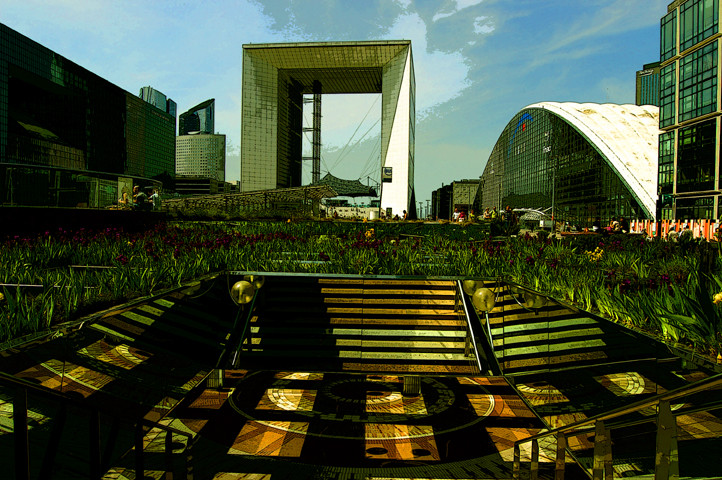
(333, 425)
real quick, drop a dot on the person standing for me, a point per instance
(155, 200)
(140, 199)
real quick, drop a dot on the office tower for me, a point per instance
(277, 76)
(689, 150)
(199, 119)
(201, 155)
(647, 85)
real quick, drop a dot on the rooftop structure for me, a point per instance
(199, 119)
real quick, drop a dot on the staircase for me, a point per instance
(191, 323)
(549, 336)
(358, 325)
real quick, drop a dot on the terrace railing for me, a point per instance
(98, 461)
(666, 458)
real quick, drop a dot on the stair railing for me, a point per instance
(470, 340)
(99, 461)
(666, 460)
(246, 323)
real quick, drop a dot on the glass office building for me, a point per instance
(689, 147)
(647, 85)
(69, 137)
(159, 100)
(199, 119)
(277, 76)
(583, 161)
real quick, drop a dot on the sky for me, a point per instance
(477, 63)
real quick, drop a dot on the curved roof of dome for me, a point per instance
(627, 136)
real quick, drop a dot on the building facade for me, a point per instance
(277, 76)
(689, 146)
(584, 161)
(199, 119)
(441, 203)
(201, 155)
(647, 85)
(464, 195)
(159, 100)
(69, 137)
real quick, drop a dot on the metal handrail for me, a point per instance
(25, 385)
(245, 328)
(460, 296)
(597, 422)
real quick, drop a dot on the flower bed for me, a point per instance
(664, 288)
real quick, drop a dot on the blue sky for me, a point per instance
(477, 62)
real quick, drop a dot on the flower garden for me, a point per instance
(666, 289)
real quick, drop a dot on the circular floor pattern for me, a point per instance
(356, 393)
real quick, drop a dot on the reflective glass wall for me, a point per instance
(689, 159)
(25, 185)
(541, 161)
(55, 113)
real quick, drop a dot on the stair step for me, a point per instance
(385, 282)
(364, 321)
(390, 301)
(386, 292)
(543, 326)
(507, 340)
(361, 332)
(356, 342)
(372, 355)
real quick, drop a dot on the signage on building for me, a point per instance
(386, 174)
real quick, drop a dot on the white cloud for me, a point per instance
(483, 25)
(459, 6)
(441, 15)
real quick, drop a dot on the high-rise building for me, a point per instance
(199, 119)
(201, 155)
(647, 91)
(69, 137)
(690, 113)
(277, 76)
(441, 200)
(158, 99)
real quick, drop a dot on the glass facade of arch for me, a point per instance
(541, 161)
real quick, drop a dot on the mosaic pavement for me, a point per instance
(331, 425)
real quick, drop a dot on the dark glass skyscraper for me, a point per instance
(199, 119)
(69, 137)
